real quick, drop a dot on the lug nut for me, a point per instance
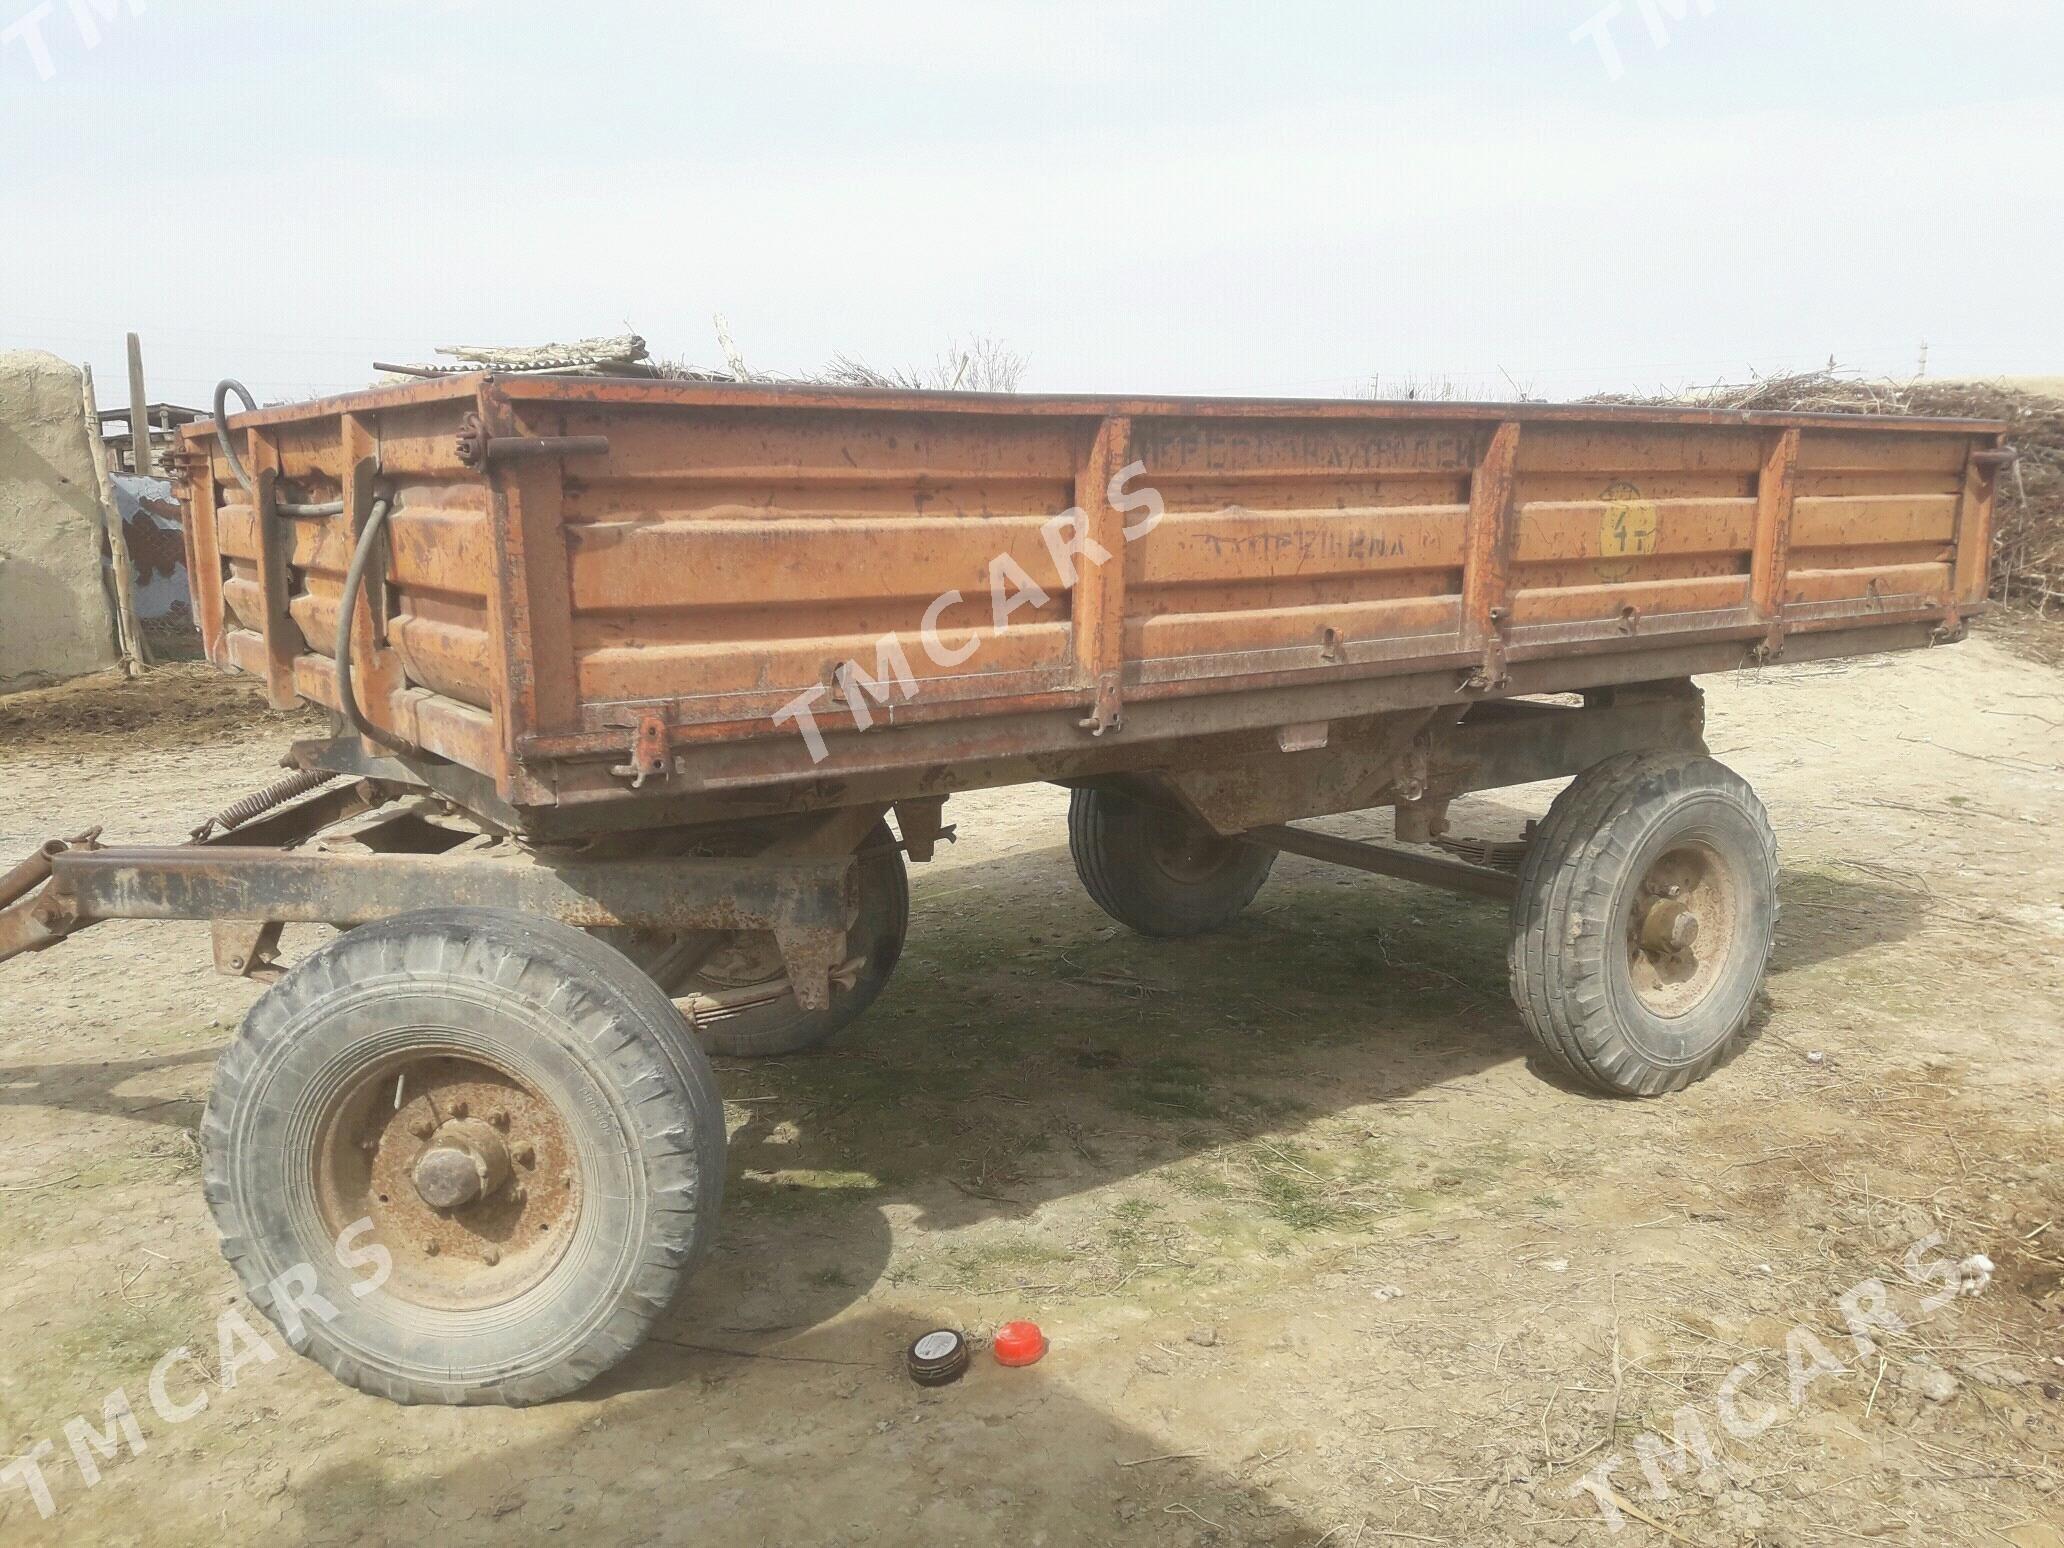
(526, 1155)
(430, 1249)
(422, 1128)
(499, 1119)
(459, 1109)
(492, 1256)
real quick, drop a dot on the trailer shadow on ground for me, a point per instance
(95, 1086)
(1029, 1053)
(1001, 1455)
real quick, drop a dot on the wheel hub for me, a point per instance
(1681, 929)
(1184, 848)
(465, 1162)
(1669, 928)
(467, 1174)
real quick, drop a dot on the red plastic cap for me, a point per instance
(1019, 1343)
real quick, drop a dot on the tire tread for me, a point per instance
(1560, 916)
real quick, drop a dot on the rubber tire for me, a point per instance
(546, 1001)
(1567, 928)
(782, 1026)
(1111, 837)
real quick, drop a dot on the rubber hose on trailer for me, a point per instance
(223, 389)
(354, 577)
(347, 608)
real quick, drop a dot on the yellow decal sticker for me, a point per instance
(1627, 532)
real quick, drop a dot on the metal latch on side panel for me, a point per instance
(1108, 712)
(652, 754)
(1492, 676)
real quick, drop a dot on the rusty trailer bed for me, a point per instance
(597, 596)
(632, 677)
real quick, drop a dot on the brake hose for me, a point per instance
(347, 608)
(354, 575)
(236, 464)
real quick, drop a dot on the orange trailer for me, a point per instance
(628, 679)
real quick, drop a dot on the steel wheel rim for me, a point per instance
(1683, 928)
(475, 1253)
(1185, 851)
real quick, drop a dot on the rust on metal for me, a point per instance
(651, 753)
(699, 552)
(229, 882)
(478, 447)
(247, 948)
(467, 1172)
(1776, 495)
(1682, 925)
(1420, 760)
(26, 877)
(1387, 860)
(1097, 608)
(1488, 556)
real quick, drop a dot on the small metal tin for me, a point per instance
(937, 1358)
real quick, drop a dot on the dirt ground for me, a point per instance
(1323, 1256)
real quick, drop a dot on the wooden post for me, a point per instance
(128, 626)
(139, 413)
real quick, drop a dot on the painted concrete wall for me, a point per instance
(55, 618)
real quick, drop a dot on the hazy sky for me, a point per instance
(1136, 194)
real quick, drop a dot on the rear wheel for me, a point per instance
(464, 1157)
(1643, 926)
(733, 985)
(1157, 869)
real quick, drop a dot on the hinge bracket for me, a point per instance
(651, 753)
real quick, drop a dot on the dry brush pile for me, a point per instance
(2028, 545)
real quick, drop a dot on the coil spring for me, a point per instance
(260, 802)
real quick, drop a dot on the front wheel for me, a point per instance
(464, 1156)
(1643, 926)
